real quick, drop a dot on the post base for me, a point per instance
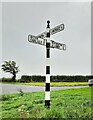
(47, 103)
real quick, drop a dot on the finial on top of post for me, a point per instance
(48, 24)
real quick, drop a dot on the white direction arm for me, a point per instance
(53, 44)
(52, 31)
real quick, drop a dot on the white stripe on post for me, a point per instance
(47, 61)
(47, 78)
(47, 96)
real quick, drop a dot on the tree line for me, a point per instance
(12, 68)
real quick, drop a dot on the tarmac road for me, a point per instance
(12, 88)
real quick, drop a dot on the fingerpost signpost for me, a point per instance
(44, 39)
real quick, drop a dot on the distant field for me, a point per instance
(59, 83)
(72, 103)
(53, 83)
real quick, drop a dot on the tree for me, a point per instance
(11, 67)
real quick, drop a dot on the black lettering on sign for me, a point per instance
(44, 42)
(39, 42)
(52, 44)
(58, 45)
(42, 35)
(32, 38)
(57, 29)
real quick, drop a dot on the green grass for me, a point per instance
(53, 83)
(72, 103)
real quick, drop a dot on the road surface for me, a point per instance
(13, 88)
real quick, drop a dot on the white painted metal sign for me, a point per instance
(42, 35)
(53, 44)
(57, 29)
(57, 45)
(34, 39)
(52, 31)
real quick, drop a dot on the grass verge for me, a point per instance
(72, 103)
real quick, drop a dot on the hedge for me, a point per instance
(58, 78)
(6, 79)
(25, 78)
(70, 78)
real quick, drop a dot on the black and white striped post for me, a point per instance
(39, 39)
(47, 87)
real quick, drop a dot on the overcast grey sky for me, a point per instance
(21, 19)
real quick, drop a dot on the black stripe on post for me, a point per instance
(47, 69)
(47, 45)
(47, 103)
(47, 86)
(47, 53)
(48, 34)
